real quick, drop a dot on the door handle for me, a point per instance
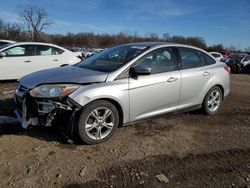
(172, 79)
(206, 73)
(55, 59)
(28, 61)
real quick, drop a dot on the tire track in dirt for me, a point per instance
(215, 169)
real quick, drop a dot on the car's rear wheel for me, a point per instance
(212, 101)
(98, 122)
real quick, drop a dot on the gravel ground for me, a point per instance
(185, 150)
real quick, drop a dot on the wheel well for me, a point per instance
(117, 105)
(222, 90)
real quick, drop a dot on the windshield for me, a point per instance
(236, 56)
(112, 59)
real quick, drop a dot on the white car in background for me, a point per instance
(77, 51)
(20, 59)
(217, 55)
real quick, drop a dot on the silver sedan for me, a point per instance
(122, 85)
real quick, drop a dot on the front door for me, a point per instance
(17, 62)
(158, 92)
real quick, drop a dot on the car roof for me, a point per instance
(150, 44)
(239, 53)
(9, 41)
(163, 44)
(35, 43)
(159, 44)
(215, 53)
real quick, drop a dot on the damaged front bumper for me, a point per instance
(44, 112)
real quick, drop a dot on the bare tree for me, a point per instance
(35, 19)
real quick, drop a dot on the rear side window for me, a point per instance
(24, 50)
(191, 58)
(44, 50)
(208, 60)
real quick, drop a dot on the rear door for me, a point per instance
(47, 57)
(195, 72)
(17, 62)
(158, 92)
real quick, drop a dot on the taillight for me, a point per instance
(228, 69)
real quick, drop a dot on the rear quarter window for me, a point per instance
(207, 59)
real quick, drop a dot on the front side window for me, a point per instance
(190, 58)
(161, 60)
(113, 58)
(44, 50)
(24, 50)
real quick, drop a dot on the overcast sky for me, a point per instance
(217, 21)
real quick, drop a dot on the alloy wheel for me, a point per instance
(99, 123)
(214, 100)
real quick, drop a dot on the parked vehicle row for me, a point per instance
(217, 55)
(122, 85)
(238, 62)
(90, 52)
(20, 59)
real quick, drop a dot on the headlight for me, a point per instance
(53, 91)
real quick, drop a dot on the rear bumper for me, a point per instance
(226, 92)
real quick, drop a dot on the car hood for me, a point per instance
(67, 74)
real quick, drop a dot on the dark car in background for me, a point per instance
(238, 62)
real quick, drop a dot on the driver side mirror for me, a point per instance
(2, 54)
(140, 70)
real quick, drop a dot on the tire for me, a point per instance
(97, 122)
(212, 101)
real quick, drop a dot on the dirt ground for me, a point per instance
(190, 150)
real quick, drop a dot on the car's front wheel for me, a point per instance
(98, 122)
(212, 101)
